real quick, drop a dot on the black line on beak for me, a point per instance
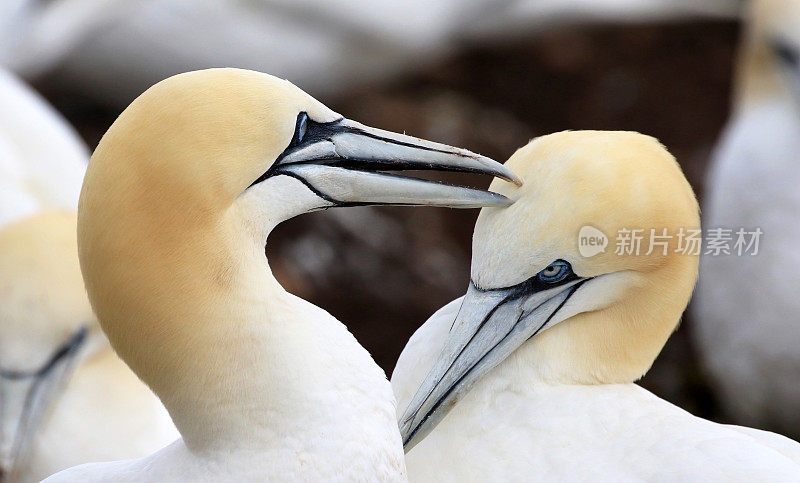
(347, 204)
(308, 131)
(70, 346)
(455, 384)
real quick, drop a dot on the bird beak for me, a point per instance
(490, 325)
(342, 162)
(25, 398)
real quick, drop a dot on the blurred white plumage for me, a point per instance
(87, 404)
(114, 49)
(42, 160)
(746, 307)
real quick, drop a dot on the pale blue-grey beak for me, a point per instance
(25, 397)
(344, 162)
(490, 325)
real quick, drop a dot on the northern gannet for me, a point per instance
(746, 309)
(65, 397)
(530, 374)
(174, 215)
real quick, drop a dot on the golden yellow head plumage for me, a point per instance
(608, 180)
(46, 326)
(570, 318)
(612, 181)
(201, 137)
(42, 299)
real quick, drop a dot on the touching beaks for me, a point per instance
(25, 398)
(490, 325)
(342, 162)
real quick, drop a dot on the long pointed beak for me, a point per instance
(21, 408)
(342, 161)
(25, 398)
(490, 325)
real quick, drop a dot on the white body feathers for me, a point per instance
(511, 427)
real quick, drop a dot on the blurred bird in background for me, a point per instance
(747, 308)
(65, 397)
(106, 46)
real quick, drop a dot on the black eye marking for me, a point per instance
(543, 280)
(786, 53)
(306, 131)
(300, 129)
(70, 346)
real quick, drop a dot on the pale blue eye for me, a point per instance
(555, 272)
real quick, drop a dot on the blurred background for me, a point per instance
(484, 75)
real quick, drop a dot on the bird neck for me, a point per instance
(196, 328)
(190, 304)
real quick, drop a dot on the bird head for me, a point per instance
(185, 186)
(207, 138)
(46, 324)
(574, 311)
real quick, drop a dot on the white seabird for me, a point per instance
(530, 374)
(59, 379)
(66, 398)
(746, 309)
(176, 207)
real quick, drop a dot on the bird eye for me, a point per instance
(555, 272)
(302, 127)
